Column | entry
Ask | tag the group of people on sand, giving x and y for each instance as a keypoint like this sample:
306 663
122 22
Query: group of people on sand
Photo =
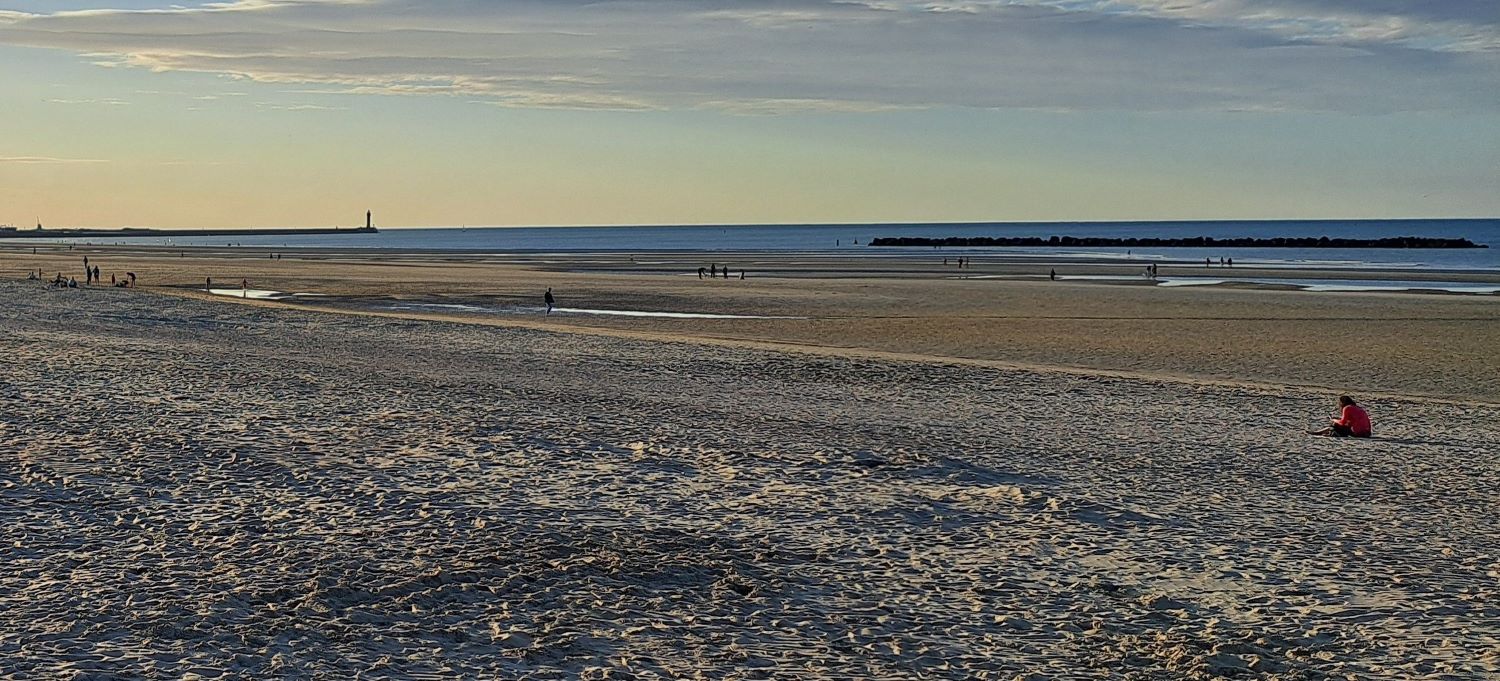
1223 262
91 275
714 270
962 262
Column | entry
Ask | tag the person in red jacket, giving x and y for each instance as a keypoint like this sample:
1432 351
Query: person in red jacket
1352 421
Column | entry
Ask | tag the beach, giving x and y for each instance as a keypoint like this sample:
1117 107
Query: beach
860 470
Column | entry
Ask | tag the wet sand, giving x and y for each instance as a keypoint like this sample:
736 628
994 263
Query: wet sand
1433 345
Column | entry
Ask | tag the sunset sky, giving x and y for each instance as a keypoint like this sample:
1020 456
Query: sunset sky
554 112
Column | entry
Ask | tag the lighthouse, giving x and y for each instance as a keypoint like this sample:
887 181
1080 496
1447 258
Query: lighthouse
368 224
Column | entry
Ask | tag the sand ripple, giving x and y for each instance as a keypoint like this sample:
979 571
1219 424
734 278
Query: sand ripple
201 490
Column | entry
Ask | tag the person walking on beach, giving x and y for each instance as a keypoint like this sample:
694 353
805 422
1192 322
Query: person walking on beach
1053 274
1353 421
244 288
208 283
547 298
700 273
97 280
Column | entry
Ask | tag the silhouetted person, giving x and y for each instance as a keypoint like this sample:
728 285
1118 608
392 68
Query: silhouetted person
244 288
726 271
208 283
742 275
1207 262
1231 262
111 278
131 276
1053 275
549 300
96 275
713 270
700 272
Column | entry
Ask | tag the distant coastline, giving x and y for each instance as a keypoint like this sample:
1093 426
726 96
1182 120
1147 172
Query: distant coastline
146 232
1188 242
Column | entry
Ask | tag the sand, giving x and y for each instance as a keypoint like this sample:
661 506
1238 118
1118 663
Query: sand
206 488
1396 344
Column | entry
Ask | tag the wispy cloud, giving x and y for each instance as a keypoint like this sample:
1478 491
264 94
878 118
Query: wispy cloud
48 160
269 106
775 56
108 101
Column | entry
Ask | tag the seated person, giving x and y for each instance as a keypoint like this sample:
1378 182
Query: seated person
1352 421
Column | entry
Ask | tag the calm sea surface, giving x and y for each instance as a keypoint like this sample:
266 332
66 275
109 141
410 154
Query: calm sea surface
852 240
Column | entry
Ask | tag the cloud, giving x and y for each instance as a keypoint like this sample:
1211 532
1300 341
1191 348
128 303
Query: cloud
48 160
298 107
777 56
109 101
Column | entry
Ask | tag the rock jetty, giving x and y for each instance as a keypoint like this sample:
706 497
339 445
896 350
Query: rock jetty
1190 242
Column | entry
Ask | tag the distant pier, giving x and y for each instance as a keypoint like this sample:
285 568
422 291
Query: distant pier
122 233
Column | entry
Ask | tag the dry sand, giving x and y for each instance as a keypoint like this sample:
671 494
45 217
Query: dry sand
198 489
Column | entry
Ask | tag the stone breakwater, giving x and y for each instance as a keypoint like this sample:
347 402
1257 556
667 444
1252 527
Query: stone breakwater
1189 242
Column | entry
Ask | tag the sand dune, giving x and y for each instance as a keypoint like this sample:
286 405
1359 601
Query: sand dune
203 489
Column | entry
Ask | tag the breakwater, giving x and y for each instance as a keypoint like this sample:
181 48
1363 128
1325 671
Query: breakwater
1189 242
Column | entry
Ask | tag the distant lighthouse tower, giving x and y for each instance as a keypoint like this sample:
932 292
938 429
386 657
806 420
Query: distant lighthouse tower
368 223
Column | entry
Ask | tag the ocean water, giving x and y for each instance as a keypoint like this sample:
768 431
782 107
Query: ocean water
854 239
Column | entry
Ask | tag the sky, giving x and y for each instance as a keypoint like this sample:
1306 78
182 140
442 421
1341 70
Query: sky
246 113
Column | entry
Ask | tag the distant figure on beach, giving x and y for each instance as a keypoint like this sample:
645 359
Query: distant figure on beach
945 262
700 272
547 298
713 270
1231 262
72 283
726 271
1353 421
208 283
131 277
96 274
1207 263
85 262
244 288
111 278
742 275
1053 274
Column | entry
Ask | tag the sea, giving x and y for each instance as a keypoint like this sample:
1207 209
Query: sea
854 239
